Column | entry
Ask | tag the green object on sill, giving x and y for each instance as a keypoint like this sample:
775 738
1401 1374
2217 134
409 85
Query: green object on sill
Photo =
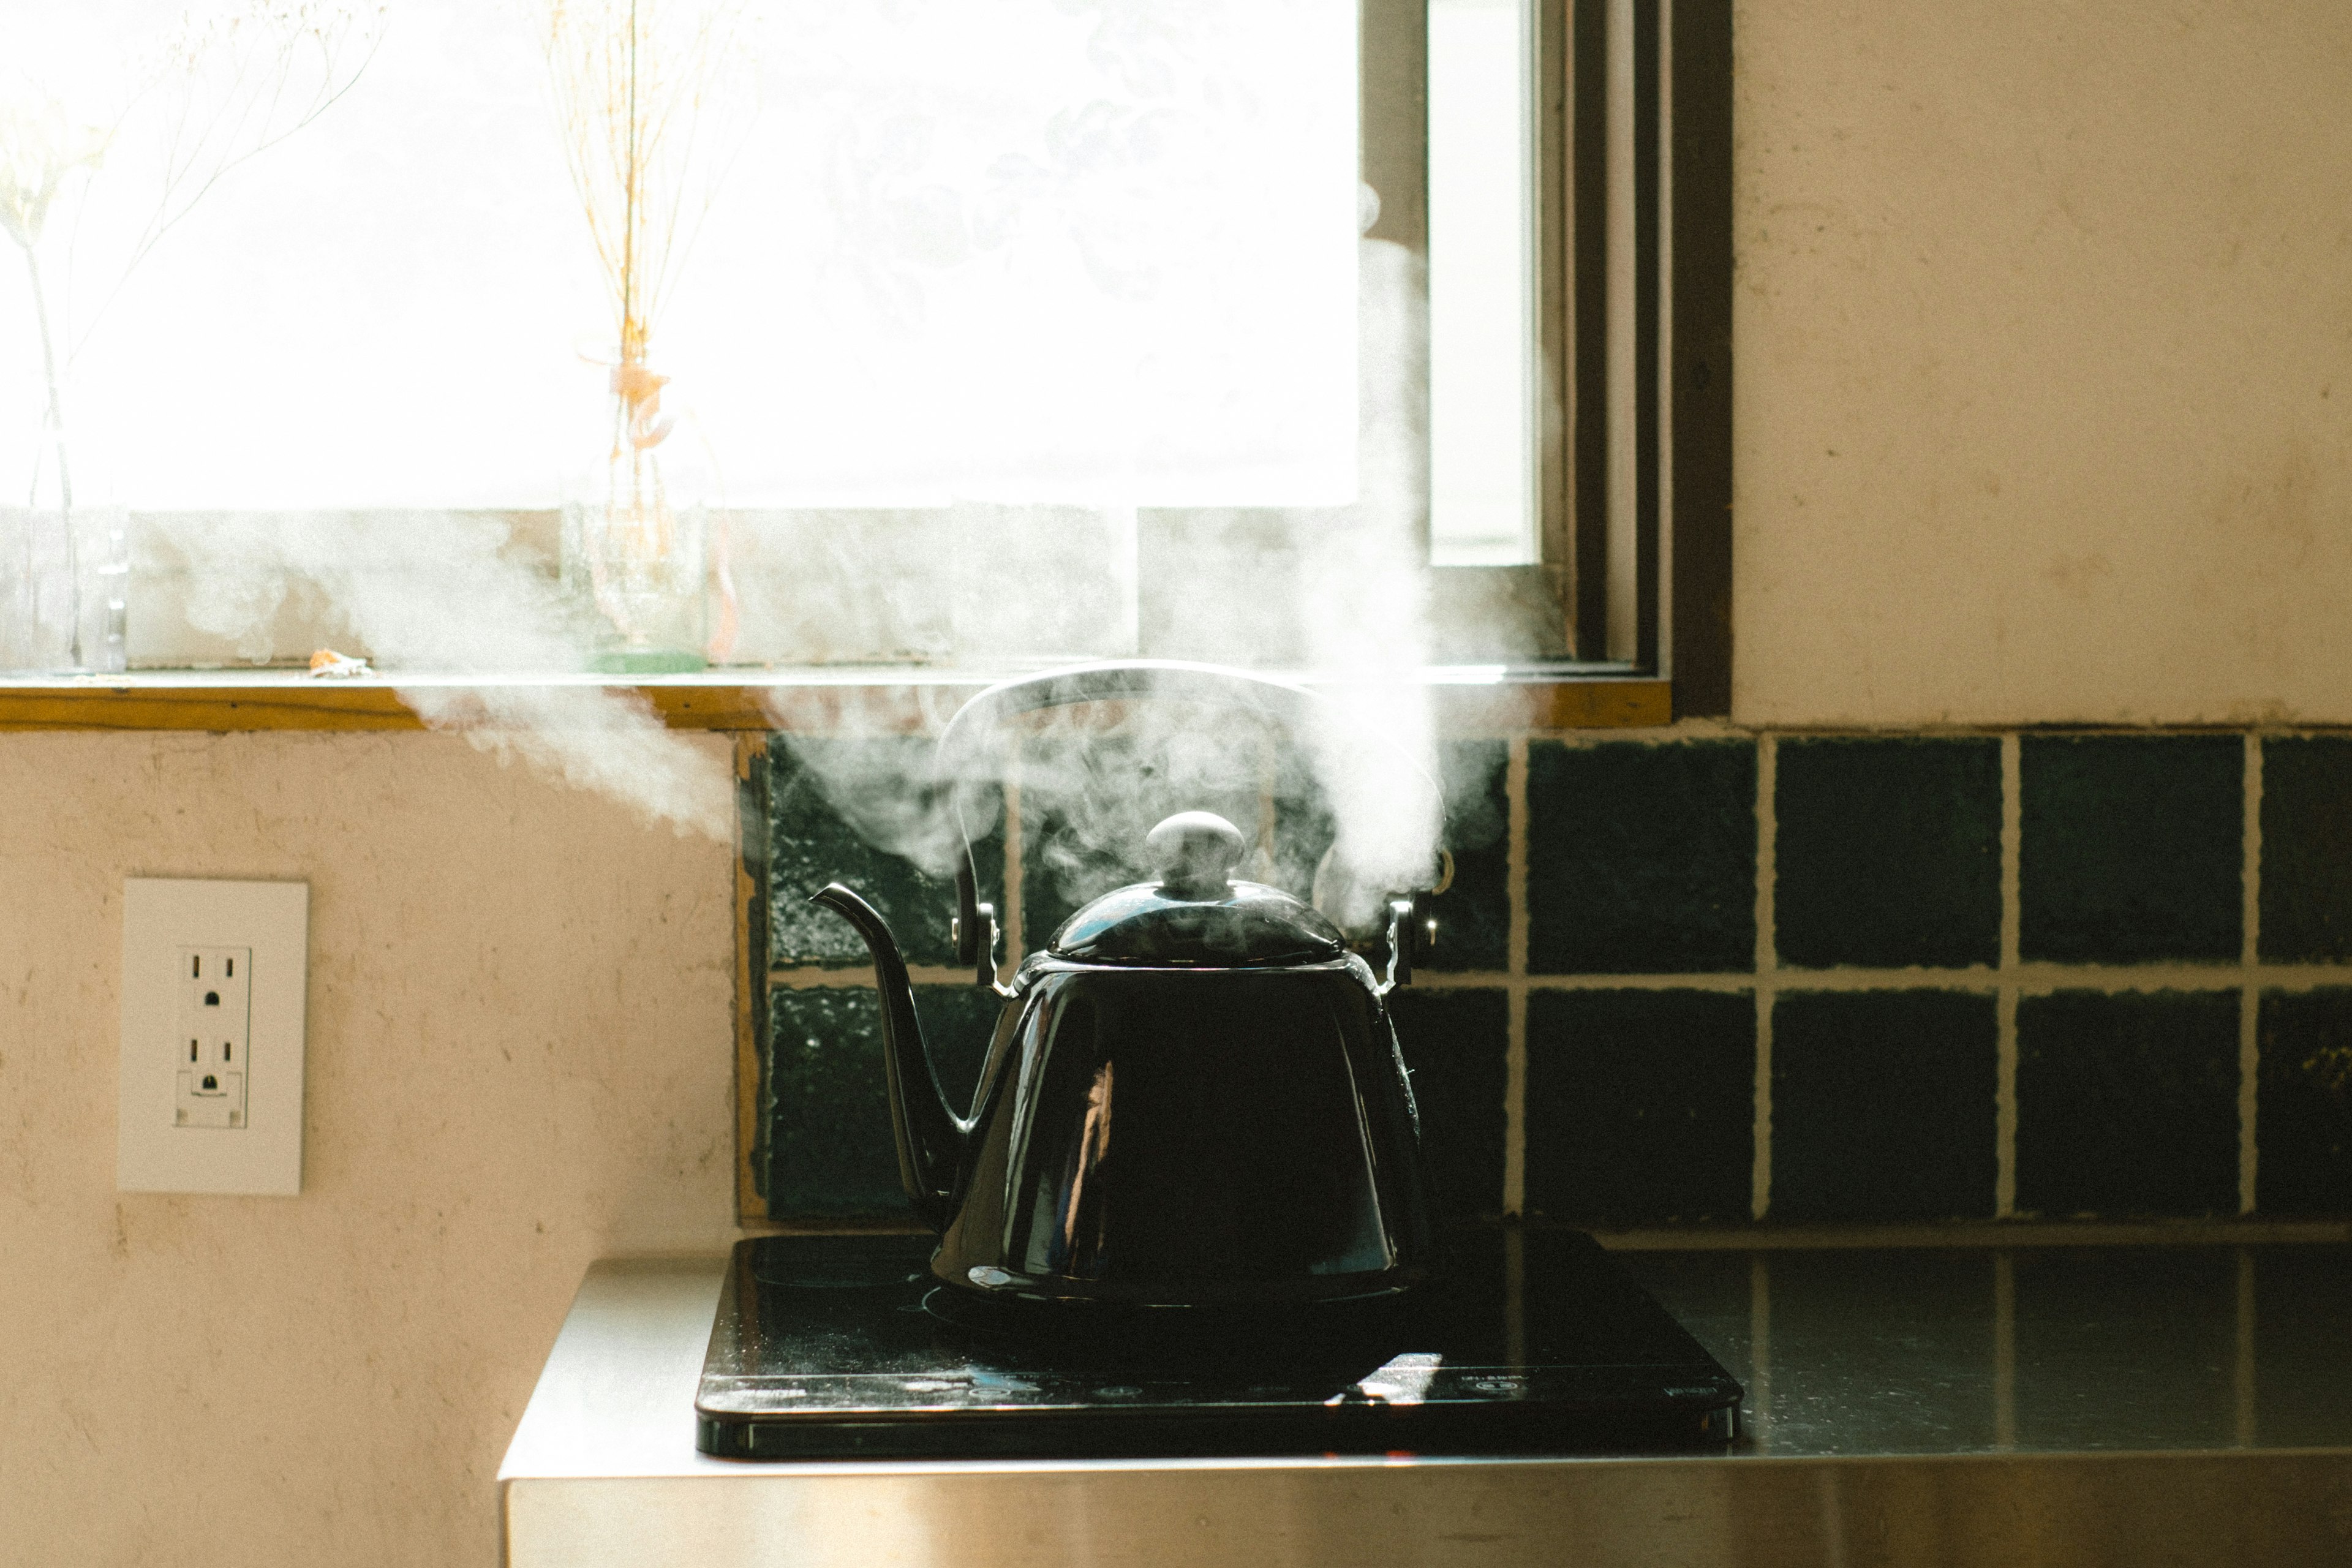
653 661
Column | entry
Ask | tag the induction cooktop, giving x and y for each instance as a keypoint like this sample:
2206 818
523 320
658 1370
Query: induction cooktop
833 1347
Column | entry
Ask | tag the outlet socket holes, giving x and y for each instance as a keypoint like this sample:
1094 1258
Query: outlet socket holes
215 1018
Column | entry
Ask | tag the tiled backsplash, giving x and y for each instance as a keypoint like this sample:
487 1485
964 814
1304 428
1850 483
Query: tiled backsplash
1700 975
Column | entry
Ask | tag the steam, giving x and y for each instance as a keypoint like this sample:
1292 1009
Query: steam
1030 297
1365 610
1351 619
459 595
443 591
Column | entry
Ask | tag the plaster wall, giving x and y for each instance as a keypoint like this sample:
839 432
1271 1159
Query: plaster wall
520 1054
2044 386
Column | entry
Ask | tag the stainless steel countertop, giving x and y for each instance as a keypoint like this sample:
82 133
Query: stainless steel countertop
2027 1349
2036 1404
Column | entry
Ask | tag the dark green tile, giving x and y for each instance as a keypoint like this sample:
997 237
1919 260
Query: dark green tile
1640 857
1888 852
1882 1106
830 1151
2307 883
1474 914
837 809
2302 1107
1641 1105
2127 1103
2131 847
1455 1043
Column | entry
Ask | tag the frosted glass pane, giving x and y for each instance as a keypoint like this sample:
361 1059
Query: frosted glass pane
1012 251
1481 293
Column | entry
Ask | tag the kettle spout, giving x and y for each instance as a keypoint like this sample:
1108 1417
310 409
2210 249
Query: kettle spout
929 1136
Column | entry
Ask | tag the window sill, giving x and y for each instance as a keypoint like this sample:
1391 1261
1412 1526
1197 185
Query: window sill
1470 699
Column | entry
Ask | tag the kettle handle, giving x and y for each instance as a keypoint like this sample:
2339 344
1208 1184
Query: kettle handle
957 761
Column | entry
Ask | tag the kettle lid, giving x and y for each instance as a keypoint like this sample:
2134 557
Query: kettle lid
1195 914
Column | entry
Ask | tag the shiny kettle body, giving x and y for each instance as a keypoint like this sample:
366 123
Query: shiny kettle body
1193 1098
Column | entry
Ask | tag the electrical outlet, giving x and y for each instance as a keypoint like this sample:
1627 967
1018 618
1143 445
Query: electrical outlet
213 996
215 1024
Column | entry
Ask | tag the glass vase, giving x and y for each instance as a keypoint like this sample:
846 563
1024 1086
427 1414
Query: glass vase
65 561
634 547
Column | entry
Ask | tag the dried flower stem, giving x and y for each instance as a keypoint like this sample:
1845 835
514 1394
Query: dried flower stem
633 83
220 122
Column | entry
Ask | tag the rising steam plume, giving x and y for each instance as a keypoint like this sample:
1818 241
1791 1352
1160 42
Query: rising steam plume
1098 779
446 592
450 601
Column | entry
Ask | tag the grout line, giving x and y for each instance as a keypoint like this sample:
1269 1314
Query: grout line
1515 1048
1767 967
2012 883
2249 999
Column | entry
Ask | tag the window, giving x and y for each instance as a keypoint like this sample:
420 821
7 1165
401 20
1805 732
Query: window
990 306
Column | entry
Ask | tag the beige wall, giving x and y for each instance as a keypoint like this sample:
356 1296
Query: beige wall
520 1039
2044 398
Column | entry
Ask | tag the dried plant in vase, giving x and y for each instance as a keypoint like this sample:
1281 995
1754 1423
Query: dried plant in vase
651 100
223 85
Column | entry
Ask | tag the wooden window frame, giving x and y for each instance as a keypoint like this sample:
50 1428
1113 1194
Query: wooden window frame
1677 561
1681 320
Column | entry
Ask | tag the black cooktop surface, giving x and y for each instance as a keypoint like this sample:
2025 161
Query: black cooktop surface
1534 1342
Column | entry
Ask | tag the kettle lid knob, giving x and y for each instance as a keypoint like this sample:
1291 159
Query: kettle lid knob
1194 853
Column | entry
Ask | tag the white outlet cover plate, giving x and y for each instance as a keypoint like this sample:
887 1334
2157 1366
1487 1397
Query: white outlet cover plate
160 918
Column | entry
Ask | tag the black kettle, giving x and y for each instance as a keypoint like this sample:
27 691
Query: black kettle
1194 1097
